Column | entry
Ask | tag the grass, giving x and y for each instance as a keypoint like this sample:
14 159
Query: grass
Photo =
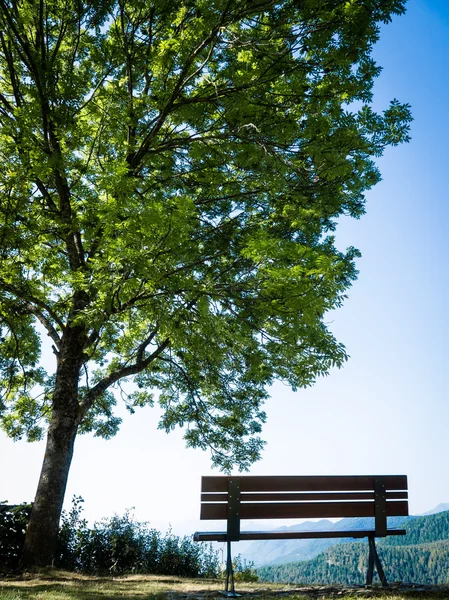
61 585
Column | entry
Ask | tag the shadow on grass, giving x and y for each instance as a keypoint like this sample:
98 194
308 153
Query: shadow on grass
78 590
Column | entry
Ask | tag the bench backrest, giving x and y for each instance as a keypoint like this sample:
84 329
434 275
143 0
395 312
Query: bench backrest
278 497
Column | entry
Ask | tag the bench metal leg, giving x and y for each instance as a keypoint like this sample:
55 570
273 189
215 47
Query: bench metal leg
229 590
229 571
373 559
369 576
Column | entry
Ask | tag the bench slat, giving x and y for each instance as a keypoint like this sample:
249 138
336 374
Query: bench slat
250 483
303 510
302 496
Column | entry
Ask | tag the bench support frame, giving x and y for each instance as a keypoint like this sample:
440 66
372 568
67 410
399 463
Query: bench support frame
229 590
373 559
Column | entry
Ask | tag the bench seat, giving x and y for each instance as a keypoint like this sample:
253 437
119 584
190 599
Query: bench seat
221 536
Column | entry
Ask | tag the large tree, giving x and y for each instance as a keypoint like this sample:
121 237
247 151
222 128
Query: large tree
171 175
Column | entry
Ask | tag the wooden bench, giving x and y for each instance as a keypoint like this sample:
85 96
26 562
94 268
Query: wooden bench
250 497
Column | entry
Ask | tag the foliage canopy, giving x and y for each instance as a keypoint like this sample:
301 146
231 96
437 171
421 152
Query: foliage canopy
172 174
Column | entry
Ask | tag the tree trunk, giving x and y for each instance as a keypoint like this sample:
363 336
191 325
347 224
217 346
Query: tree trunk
42 532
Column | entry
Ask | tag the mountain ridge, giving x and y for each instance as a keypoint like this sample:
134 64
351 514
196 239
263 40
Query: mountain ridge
442 507
275 552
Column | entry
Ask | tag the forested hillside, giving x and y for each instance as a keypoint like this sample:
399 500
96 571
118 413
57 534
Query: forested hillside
347 563
421 530
420 556
272 552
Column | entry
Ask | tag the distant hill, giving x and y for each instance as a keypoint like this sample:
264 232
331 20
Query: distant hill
420 556
440 508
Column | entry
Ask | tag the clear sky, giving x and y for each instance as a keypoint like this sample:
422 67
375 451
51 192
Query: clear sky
387 410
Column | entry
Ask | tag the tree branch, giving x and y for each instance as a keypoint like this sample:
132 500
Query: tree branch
24 295
46 323
136 158
120 373
53 148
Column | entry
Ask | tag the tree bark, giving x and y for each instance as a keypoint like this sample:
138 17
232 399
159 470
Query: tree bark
42 532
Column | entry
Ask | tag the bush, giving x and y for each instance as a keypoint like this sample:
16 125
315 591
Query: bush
13 524
123 545
244 570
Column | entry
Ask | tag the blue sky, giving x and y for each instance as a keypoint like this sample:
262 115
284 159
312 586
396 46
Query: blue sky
387 410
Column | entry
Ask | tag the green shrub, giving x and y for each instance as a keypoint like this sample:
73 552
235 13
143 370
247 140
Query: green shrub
122 545
244 569
13 524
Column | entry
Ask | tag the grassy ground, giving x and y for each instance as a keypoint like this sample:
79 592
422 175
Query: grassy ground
60 585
